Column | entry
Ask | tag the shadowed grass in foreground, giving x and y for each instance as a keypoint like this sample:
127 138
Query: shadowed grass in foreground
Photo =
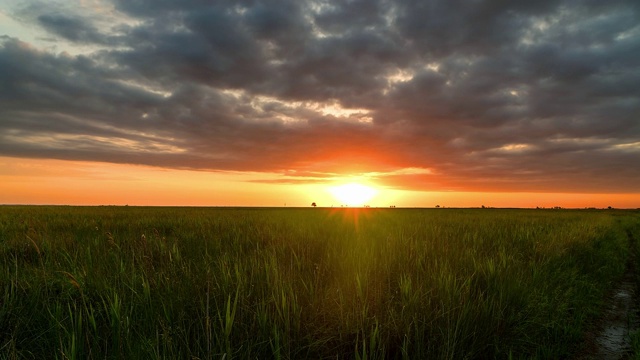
167 283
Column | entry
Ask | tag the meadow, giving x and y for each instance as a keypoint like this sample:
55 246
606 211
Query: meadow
278 283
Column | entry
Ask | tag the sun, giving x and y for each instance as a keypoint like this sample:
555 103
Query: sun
353 194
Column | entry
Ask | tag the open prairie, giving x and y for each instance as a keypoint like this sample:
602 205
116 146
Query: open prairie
284 283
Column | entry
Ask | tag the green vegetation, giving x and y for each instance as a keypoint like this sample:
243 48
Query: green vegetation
201 283
633 231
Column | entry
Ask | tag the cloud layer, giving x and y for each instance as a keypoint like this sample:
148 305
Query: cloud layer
437 95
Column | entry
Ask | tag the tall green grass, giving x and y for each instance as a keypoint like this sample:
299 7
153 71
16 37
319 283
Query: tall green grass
206 283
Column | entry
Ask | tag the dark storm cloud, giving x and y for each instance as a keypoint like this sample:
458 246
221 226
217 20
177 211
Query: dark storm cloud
523 96
71 28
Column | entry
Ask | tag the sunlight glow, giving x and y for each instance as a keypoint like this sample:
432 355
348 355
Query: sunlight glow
353 194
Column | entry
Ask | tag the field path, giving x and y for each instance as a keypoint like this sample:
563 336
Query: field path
609 339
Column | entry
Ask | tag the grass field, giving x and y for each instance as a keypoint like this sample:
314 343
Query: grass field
208 283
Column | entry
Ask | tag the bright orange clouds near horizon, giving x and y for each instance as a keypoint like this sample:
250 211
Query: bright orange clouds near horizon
58 182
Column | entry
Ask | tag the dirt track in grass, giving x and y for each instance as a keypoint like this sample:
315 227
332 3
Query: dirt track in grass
609 338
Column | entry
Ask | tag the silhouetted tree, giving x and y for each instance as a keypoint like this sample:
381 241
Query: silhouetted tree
313 204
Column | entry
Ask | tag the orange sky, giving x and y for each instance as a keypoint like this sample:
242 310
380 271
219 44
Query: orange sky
33 181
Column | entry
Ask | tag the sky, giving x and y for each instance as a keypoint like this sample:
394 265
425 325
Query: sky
274 103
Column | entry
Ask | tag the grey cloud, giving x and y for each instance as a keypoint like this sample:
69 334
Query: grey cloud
440 28
284 23
71 28
345 16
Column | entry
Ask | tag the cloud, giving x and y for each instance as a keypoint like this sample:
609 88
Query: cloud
491 95
71 28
